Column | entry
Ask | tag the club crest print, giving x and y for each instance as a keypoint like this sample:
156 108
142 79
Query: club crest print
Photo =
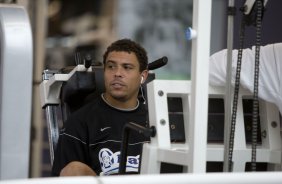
109 162
106 158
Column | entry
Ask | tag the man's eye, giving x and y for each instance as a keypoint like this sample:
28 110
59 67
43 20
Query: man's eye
128 67
110 66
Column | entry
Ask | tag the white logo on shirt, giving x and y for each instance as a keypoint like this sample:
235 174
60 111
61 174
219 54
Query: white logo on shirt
102 129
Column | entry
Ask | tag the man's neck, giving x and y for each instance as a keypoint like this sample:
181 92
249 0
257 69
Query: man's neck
121 104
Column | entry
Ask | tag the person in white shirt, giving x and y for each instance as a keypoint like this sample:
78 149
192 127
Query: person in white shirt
270 73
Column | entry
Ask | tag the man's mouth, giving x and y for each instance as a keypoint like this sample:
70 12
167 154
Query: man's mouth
117 84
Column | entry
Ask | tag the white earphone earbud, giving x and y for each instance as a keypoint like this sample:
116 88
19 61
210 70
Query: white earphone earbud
142 79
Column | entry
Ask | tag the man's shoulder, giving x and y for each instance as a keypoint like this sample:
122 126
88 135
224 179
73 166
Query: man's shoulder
86 110
84 115
90 106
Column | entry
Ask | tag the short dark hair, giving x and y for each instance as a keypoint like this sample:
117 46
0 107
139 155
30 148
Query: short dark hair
129 46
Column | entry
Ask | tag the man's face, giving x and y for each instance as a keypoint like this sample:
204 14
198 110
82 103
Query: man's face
122 76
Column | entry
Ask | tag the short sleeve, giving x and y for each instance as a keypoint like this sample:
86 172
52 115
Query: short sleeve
72 145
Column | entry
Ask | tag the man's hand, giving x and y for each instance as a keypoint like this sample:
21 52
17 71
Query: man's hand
76 168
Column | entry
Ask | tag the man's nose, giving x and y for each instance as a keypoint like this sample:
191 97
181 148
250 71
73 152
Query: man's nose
118 72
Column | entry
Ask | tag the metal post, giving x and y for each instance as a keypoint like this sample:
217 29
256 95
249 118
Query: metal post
53 128
228 89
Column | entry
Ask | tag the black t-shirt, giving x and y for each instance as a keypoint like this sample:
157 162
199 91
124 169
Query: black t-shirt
93 135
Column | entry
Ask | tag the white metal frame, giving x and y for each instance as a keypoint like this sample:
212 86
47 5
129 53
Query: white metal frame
200 178
200 83
162 150
50 89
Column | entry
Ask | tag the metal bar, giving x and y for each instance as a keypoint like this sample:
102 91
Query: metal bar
228 87
53 129
147 132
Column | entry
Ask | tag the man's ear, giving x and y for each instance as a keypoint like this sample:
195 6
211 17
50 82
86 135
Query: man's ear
144 75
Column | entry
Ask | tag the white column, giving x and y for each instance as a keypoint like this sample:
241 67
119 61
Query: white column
197 135
15 92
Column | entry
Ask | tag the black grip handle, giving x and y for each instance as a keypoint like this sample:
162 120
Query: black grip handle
157 63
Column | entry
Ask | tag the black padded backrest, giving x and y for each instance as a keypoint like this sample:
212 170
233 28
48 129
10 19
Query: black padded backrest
81 89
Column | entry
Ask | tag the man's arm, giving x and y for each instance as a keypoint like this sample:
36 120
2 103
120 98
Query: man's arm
71 156
270 78
76 168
